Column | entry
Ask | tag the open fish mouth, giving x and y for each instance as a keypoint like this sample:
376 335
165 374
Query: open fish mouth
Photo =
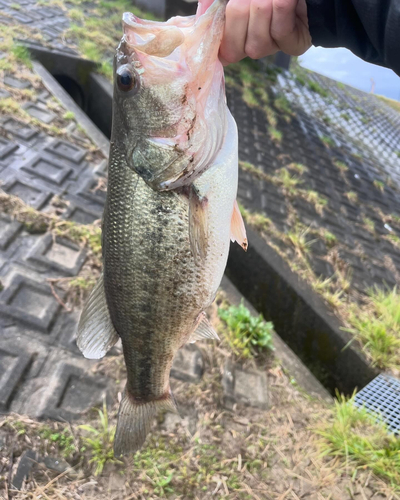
178 64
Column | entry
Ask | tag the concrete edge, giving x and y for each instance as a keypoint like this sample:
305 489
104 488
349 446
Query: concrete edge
299 315
81 117
288 359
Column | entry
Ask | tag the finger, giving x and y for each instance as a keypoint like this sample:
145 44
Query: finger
283 19
234 39
289 26
259 42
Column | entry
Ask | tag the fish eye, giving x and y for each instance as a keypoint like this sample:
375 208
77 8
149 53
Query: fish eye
126 80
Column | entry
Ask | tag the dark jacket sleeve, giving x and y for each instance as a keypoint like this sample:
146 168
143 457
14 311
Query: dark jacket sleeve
369 28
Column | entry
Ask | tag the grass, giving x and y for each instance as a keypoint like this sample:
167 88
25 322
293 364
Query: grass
394 239
315 199
22 54
369 224
287 181
377 326
275 134
100 442
379 185
390 102
362 440
352 196
329 238
341 166
316 87
246 334
39 222
299 240
328 141
69 115
249 98
298 167
253 170
63 439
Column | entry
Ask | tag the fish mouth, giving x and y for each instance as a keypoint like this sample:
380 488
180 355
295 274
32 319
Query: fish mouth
162 38
182 51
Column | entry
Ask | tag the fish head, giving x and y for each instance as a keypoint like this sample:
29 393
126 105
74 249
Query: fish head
169 95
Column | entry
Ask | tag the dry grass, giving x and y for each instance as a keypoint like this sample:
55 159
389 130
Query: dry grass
242 454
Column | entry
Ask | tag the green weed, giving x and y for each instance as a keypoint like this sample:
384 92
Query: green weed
275 134
298 238
22 54
362 440
352 196
298 167
315 199
377 325
100 444
63 439
379 185
330 238
328 141
369 224
316 87
246 334
341 166
287 181
69 115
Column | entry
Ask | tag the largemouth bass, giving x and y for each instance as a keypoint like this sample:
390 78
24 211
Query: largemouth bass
170 209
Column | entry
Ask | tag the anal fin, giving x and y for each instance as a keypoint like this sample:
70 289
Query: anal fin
96 333
203 330
238 230
198 224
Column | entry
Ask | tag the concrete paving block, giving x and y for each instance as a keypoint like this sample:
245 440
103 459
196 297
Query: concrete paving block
8 230
31 195
13 364
71 392
90 192
30 303
244 386
81 215
47 168
20 129
6 147
59 254
17 83
188 364
66 150
39 111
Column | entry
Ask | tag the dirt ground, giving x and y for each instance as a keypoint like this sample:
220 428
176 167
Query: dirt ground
212 452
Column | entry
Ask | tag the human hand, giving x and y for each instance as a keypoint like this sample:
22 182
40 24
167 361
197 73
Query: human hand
258 28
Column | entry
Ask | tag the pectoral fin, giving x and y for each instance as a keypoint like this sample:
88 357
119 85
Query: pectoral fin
198 224
238 231
203 330
96 333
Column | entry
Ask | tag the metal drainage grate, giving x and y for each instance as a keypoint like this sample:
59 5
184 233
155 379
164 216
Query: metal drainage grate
382 396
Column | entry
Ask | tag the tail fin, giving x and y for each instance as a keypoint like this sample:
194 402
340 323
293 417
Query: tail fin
135 419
